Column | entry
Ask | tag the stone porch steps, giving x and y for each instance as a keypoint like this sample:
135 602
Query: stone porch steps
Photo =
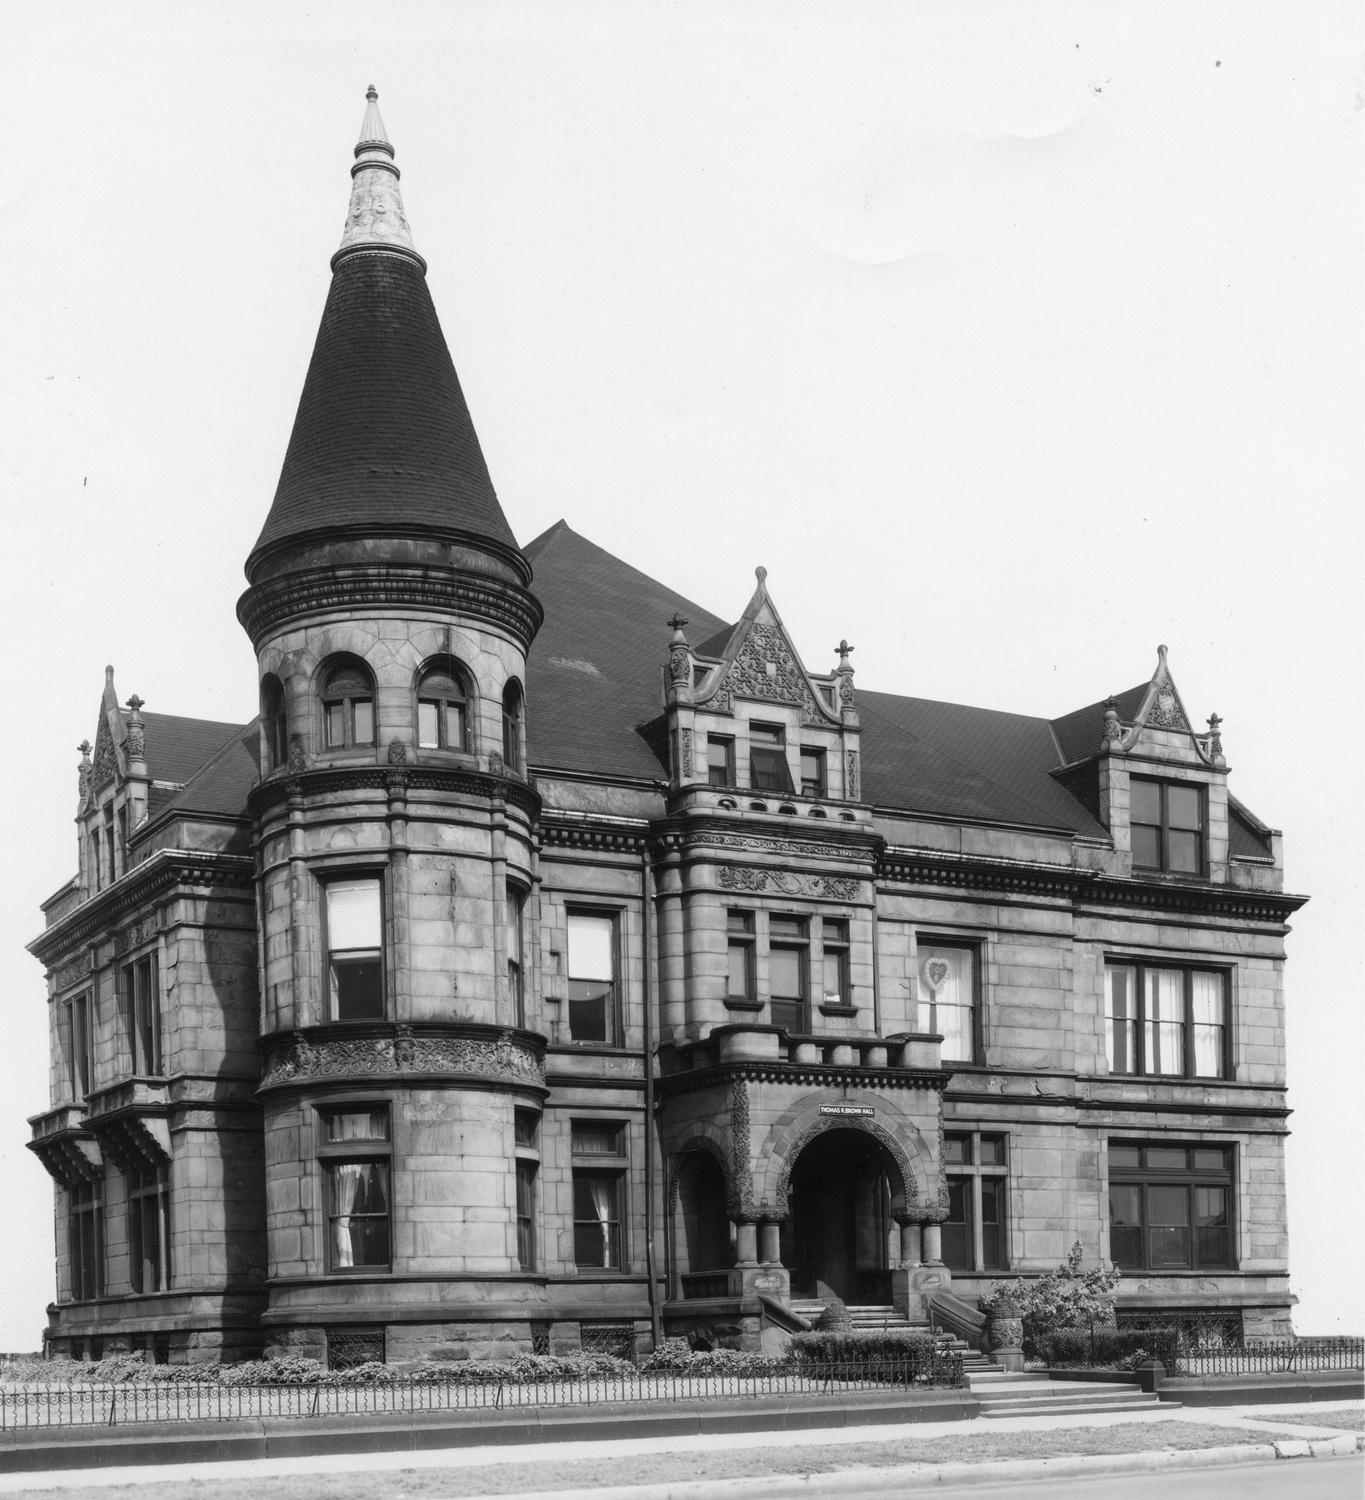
1005 1394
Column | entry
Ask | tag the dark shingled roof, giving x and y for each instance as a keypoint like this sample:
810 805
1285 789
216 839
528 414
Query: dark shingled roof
1079 733
223 782
176 747
383 437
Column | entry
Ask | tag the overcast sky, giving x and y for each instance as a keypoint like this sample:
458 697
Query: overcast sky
1012 339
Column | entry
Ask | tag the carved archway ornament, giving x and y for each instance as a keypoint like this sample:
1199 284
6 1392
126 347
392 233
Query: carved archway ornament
908 1205
716 1151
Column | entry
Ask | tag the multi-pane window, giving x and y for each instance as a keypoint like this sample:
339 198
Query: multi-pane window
526 1219
354 1155
355 949
142 1013
86 1227
1170 1206
740 983
511 726
812 771
973 1235
768 769
149 1228
598 1193
947 997
835 962
348 707
516 970
1162 1020
442 710
274 721
1167 820
720 760
592 978
82 1045
788 942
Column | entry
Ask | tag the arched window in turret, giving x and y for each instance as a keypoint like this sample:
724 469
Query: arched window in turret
511 725
274 722
442 707
347 706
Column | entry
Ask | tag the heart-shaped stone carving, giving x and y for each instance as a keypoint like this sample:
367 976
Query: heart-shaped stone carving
936 972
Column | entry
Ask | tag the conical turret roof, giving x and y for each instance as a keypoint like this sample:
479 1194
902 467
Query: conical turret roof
383 443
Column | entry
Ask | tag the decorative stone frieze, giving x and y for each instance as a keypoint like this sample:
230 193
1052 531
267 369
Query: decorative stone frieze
459 1050
830 887
73 973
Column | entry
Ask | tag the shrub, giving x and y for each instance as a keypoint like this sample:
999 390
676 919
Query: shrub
1068 1297
684 1361
1113 1348
839 1346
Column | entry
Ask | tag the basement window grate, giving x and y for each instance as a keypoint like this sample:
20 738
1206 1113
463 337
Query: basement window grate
349 1347
616 1339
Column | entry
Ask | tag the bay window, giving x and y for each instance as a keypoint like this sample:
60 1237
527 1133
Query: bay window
1166 1021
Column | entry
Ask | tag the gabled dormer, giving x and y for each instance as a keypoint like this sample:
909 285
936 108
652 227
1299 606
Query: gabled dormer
746 718
112 790
1160 787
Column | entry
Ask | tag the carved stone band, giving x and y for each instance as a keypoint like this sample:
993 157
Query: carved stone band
330 1053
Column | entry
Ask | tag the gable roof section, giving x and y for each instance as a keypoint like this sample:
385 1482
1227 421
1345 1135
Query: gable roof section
1079 733
178 747
593 676
221 785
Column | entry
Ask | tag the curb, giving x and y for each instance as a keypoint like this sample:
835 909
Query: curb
898 1478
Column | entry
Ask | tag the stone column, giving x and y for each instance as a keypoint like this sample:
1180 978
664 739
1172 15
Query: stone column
770 1244
933 1245
910 1246
746 1244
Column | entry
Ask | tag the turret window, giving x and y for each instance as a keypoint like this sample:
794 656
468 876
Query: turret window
348 707
274 723
355 1159
355 949
442 710
511 726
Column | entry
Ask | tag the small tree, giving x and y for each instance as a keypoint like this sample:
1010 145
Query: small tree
1068 1297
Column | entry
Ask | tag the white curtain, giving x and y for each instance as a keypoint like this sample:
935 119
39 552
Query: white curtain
1208 1024
359 1125
345 1185
1165 1026
604 1203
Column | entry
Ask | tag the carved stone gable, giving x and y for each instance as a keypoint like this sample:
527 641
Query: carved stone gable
106 760
1165 712
765 668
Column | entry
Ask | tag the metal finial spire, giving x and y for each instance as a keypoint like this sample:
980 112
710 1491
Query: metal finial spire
375 219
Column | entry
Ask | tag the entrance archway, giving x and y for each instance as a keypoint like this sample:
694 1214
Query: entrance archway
840 1225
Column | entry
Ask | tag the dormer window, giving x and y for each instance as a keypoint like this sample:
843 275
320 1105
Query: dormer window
720 760
1168 826
768 770
348 707
812 771
442 709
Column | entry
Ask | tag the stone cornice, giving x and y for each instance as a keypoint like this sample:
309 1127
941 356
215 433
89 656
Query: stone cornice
321 781
731 838
155 877
800 1075
369 587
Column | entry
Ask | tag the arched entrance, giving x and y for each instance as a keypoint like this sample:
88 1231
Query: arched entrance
840 1225
704 1234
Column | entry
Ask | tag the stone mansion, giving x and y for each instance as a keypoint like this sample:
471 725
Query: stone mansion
553 963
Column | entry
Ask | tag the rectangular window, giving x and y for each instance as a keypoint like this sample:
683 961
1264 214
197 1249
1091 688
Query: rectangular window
1167 820
597 1138
592 978
1169 1207
110 847
526 1217
82 1046
787 948
354 1154
149 1229
973 1236
740 974
812 771
142 1012
86 1225
516 973
947 1006
597 1221
96 874
355 948
720 760
1164 1021
835 963
768 769
526 1127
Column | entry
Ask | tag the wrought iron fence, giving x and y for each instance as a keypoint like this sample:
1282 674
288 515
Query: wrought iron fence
1272 1357
80 1405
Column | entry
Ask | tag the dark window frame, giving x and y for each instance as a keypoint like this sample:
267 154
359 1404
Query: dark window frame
346 700
816 786
726 744
85 1222
149 1216
363 1151
775 775
140 980
341 875
741 937
793 1008
461 700
973 1174
977 1028
1187 1179
274 721
513 717
614 1025
515 928
80 1022
1138 1021
1164 829
839 948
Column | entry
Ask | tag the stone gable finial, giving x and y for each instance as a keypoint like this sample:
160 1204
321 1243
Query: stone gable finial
136 747
679 664
375 218
1112 736
83 771
845 674
1215 740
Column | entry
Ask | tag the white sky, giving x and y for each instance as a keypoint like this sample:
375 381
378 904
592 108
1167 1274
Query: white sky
1013 340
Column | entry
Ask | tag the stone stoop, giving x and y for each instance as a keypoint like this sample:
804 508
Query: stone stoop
1031 1394
864 1319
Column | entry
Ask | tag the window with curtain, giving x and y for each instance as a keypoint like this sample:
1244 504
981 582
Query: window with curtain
355 1157
442 708
592 978
947 997
1170 1206
355 948
1166 1021
142 1015
597 1221
149 1228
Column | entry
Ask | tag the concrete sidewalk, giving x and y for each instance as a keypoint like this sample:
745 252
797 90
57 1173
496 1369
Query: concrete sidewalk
543 1457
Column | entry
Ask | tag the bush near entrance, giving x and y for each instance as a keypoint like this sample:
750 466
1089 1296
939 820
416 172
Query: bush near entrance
1069 1297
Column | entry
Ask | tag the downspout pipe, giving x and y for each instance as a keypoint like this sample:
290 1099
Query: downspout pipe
647 953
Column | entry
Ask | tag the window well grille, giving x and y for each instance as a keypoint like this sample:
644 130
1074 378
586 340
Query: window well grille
349 1347
616 1339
